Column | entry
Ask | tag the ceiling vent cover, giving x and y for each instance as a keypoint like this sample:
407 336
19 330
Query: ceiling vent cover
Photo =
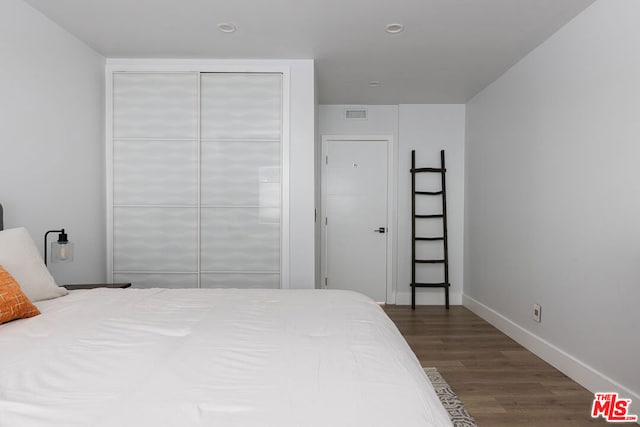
355 114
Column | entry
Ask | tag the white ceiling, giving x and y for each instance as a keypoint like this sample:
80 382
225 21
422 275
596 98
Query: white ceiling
448 52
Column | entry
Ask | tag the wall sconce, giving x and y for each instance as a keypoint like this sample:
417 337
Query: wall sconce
62 250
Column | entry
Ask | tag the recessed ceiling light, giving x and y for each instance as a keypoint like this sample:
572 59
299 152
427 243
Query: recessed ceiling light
375 84
394 28
226 27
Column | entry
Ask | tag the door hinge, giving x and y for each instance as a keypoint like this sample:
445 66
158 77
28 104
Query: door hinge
326 282
326 160
326 221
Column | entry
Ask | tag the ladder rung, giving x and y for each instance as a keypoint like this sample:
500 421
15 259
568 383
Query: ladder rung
417 170
429 238
429 261
431 285
430 216
429 193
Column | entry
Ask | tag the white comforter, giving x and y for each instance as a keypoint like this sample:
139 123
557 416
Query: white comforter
180 358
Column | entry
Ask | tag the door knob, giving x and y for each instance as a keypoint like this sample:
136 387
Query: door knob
380 230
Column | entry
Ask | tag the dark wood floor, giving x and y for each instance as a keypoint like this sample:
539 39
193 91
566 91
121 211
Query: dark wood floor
499 382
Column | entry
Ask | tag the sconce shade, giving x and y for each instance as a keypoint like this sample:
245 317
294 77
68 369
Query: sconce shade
61 251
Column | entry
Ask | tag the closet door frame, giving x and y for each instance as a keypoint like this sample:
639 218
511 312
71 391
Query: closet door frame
199 66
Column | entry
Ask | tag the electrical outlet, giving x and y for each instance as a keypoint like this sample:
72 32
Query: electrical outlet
537 313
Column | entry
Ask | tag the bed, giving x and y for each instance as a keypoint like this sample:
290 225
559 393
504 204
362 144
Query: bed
211 357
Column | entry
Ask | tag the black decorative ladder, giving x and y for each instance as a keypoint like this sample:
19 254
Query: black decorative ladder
443 216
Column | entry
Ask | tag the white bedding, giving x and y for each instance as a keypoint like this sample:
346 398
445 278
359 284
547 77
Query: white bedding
161 357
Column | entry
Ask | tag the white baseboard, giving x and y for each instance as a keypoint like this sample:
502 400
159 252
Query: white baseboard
578 371
428 297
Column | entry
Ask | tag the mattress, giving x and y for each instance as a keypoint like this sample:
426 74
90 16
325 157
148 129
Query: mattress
211 357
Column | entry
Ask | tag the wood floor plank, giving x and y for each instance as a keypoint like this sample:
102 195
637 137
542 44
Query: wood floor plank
500 383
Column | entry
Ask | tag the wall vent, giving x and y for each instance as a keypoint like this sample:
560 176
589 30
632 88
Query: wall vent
355 114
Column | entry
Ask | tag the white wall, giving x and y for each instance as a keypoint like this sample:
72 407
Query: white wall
318 196
427 128
51 137
302 179
381 120
552 200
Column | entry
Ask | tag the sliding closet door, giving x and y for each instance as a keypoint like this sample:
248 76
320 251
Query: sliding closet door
240 194
155 179
196 179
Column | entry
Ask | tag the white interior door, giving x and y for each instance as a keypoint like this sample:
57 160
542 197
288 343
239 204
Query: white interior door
355 223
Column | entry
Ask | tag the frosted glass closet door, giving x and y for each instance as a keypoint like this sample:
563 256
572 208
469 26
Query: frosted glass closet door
155 179
241 142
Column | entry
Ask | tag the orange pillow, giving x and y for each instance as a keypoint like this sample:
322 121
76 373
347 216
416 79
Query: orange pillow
14 304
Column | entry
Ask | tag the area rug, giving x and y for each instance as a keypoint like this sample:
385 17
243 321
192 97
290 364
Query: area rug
458 414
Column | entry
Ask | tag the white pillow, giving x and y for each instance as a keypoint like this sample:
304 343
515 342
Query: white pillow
20 257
